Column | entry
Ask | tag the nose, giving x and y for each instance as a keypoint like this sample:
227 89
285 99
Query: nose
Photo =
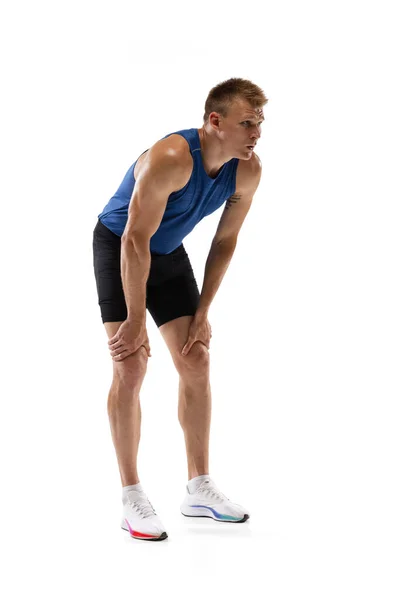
256 132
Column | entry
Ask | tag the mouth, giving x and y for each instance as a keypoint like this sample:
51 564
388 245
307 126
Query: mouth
250 147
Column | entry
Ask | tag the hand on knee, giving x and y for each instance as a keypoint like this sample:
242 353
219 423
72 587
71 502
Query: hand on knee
197 360
131 370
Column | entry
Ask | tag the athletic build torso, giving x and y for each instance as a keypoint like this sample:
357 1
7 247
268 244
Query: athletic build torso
201 195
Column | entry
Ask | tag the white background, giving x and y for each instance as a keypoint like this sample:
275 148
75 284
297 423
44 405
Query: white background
305 347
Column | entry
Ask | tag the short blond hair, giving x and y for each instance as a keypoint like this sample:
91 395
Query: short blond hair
221 97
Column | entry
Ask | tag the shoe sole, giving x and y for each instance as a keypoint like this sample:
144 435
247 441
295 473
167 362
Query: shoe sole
163 536
214 519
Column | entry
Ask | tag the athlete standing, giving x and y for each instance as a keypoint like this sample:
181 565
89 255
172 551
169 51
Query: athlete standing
140 262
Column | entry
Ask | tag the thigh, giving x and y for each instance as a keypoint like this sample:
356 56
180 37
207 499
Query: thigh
175 294
112 328
171 290
107 271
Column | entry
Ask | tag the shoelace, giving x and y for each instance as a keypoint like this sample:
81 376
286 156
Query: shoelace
210 489
142 506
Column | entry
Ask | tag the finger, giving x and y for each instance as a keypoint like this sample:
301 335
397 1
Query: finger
120 357
147 348
114 339
117 344
119 351
187 347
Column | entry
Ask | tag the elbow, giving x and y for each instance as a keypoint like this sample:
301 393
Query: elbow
226 244
137 240
135 246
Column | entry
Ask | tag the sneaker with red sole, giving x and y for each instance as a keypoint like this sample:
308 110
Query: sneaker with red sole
140 518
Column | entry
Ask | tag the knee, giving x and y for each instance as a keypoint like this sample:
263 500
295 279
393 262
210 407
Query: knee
196 363
130 372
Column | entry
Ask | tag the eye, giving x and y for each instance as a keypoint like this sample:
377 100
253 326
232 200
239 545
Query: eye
248 123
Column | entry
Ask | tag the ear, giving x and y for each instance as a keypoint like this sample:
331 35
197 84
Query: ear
214 120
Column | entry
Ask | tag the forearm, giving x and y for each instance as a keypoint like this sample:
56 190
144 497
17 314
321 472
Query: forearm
218 260
135 268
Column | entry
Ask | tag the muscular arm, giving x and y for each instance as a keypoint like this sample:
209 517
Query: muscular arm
232 200
238 205
164 171
225 239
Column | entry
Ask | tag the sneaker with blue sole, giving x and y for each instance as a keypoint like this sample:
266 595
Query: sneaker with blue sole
209 502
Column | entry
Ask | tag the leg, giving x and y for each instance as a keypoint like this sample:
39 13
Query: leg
124 408
194 410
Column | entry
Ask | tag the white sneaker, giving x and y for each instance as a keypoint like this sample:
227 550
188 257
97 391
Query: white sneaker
208 501
140 518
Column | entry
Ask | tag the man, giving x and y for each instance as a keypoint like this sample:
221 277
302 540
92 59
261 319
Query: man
140 262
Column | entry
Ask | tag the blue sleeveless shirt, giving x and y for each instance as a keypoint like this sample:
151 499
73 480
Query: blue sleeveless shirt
201 196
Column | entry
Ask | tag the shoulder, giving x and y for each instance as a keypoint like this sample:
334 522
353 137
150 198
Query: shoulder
169 158
173 149
248 174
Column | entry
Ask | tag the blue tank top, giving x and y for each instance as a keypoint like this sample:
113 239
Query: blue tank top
201 196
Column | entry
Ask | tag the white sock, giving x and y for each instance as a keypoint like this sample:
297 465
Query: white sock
137 487
194 483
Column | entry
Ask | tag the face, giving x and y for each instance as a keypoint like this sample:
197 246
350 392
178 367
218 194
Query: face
240 130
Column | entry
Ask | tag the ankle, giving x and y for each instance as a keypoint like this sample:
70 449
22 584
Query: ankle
127 481
194 483
137 487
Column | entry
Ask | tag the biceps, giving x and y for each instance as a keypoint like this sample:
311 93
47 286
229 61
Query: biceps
146 210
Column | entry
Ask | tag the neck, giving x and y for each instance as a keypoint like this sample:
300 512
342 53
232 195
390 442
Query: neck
212 154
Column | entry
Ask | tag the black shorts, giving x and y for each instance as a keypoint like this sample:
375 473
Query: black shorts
171 290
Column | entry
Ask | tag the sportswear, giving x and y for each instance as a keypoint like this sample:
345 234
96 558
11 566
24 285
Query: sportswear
201 196
140 518
208 501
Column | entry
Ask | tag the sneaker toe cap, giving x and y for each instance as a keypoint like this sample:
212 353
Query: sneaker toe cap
149 526
236 510
153 526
